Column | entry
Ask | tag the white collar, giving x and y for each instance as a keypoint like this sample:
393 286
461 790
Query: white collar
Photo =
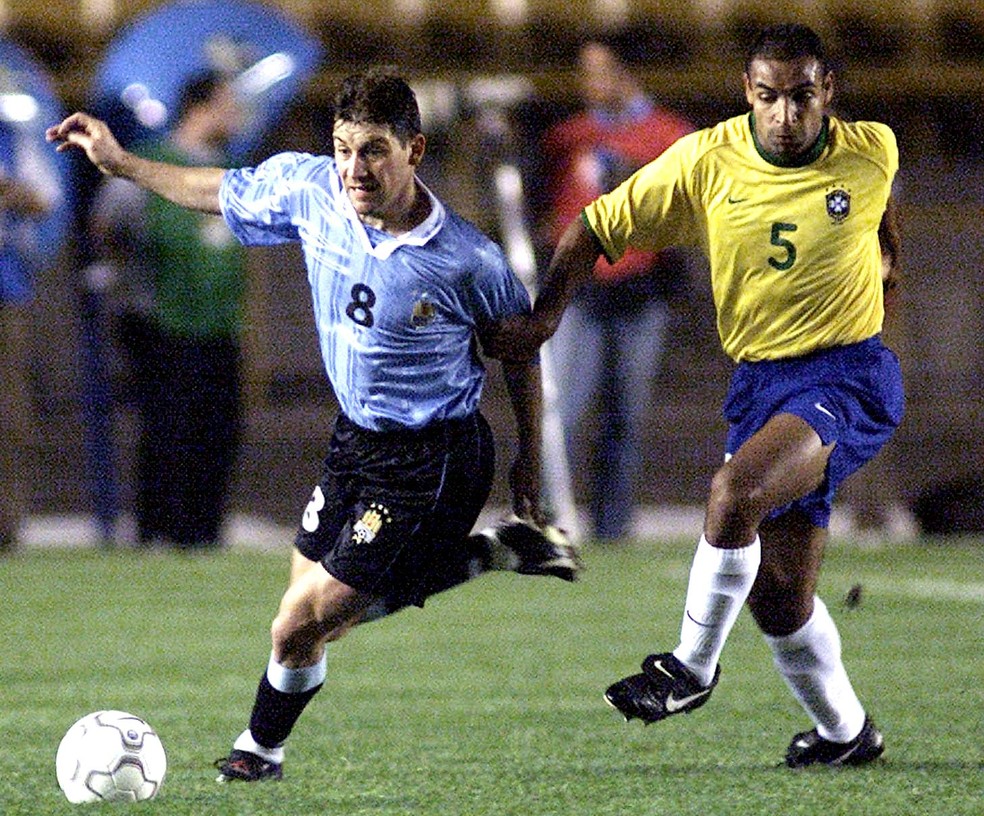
418 236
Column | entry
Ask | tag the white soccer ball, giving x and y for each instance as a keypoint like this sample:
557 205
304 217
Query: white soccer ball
111 756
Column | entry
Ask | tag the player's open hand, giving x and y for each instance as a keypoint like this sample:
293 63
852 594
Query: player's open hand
85 132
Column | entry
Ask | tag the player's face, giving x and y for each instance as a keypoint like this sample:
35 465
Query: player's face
377 172
789 100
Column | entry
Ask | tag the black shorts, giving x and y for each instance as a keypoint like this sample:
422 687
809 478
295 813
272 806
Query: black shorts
393 510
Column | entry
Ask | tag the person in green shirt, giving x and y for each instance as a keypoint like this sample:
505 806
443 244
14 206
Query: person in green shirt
180 284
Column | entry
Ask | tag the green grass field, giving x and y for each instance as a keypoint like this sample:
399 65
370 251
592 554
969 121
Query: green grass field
489 701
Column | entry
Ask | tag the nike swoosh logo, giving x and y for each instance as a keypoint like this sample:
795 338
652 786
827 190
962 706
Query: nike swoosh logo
823 410
673 705
736 200
702 625
659 665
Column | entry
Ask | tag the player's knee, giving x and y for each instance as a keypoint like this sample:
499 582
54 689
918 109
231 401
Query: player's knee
300 631
283 634
295 635
733 507
780 601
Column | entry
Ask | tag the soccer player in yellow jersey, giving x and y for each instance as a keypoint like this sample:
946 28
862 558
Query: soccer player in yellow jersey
792 207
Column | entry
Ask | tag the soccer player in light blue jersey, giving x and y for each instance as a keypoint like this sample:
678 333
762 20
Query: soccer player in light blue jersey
404 291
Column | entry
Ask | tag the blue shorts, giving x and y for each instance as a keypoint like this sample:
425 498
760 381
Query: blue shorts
850 395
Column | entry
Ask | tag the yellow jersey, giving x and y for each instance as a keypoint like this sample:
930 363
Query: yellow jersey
794 253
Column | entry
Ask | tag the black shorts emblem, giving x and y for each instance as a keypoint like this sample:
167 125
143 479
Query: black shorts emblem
372 521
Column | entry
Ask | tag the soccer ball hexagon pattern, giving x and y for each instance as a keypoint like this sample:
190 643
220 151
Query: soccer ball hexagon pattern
111 756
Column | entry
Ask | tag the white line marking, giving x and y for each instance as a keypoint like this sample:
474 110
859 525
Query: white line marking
930 588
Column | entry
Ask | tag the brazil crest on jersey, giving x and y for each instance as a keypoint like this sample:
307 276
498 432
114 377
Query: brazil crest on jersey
794 252
396 316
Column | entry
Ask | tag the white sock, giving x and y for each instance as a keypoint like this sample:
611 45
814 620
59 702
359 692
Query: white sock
245 742
295 681
809 660
720 580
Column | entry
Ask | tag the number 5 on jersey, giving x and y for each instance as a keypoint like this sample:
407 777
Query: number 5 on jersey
785 263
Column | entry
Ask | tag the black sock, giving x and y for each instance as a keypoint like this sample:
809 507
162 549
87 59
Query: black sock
479 550
275 712
474 559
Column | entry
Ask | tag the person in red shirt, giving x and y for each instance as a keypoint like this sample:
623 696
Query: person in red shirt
611 339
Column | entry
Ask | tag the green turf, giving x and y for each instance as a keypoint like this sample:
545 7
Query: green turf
489 701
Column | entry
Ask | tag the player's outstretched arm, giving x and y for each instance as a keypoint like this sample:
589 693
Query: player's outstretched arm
194 187
518 338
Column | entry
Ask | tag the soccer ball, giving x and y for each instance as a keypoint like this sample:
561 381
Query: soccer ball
112 756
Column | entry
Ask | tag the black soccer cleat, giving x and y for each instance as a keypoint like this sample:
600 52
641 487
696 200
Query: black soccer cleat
664 688
809 748
535 550
243 766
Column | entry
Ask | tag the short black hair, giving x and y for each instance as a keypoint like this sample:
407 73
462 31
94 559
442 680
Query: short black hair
198 90
379 96
786 42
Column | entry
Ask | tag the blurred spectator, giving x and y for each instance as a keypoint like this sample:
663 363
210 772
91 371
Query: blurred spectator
179 289
611 339
29 190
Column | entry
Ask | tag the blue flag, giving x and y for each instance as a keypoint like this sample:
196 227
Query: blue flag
138 84
28 105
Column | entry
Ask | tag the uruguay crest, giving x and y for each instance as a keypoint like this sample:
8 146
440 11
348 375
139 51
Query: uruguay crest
424 313
367 527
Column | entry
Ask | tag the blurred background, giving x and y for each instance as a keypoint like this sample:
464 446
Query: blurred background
491 75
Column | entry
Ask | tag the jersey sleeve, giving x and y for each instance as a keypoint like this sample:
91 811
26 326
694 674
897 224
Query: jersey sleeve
652 210
496 292
884 138
258 203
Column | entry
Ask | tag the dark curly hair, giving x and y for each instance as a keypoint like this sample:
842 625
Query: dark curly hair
786 42
379 96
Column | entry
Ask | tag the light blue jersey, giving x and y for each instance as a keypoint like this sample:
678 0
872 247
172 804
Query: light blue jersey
396 316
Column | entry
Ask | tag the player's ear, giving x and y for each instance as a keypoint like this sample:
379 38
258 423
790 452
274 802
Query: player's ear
418 145
746 82
828 87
